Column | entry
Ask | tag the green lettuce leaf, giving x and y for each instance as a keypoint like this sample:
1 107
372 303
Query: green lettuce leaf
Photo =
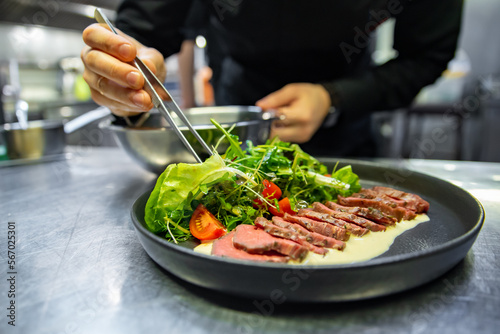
346 175
177 185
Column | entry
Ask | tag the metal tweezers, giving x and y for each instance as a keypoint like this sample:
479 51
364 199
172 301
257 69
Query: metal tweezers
161 98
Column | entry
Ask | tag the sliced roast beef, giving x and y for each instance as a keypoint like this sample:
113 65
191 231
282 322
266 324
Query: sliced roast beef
255 240
413 202
380 204
370 193
325 217
392 202
224 247
312 225
312 237
349 217
285 233
368 213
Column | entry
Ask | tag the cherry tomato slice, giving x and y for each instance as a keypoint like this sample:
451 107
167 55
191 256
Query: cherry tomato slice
204 226
270 192
284 207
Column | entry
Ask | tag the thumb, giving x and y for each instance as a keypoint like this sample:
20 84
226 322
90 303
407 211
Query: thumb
277 99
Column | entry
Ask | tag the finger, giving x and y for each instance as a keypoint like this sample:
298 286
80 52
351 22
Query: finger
103 100
135 99
125 113
291 126
283 117
292 115
108 66
99 37
294 133
277 99
116 107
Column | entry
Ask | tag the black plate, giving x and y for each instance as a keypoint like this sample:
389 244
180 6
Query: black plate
416 257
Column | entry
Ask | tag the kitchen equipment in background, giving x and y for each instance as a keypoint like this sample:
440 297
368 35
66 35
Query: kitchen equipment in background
44 137
71 83
155 145
22 113
20 106
487 135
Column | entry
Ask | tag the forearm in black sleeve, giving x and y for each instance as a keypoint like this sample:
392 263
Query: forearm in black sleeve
154 23
425 37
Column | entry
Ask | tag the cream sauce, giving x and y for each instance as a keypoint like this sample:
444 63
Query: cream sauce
357 249
204 248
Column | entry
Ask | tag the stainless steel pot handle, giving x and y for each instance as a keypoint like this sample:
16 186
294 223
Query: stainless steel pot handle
85 119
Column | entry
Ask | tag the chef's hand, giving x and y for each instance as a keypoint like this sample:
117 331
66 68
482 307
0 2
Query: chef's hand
113 81
302 108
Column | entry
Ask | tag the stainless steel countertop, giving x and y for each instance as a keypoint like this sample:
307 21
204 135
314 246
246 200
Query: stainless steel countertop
81 269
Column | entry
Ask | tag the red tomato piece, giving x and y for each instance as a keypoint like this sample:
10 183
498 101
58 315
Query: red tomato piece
204 226
284 207
270 192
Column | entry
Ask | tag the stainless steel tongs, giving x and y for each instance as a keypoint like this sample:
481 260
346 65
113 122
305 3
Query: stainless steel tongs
160 96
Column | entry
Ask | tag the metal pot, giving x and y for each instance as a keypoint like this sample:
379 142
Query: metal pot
44 137
155 145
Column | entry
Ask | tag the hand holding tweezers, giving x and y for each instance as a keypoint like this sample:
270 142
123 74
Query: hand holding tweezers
161 98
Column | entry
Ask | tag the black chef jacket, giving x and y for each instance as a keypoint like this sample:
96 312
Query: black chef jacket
256 47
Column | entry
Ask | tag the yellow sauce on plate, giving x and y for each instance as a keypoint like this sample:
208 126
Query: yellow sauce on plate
357 249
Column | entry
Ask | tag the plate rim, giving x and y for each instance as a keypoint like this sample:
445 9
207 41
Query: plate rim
436 249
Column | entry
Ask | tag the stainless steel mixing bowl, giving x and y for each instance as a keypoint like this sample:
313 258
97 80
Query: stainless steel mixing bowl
155 145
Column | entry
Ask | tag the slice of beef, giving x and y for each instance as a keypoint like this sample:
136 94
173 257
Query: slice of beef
285 233
371 194
349 217
325 217
312 237
392 202
380 204
326 229
414 202
224 247
254 240
368 213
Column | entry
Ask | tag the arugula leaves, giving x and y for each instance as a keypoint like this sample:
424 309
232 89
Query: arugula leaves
228 185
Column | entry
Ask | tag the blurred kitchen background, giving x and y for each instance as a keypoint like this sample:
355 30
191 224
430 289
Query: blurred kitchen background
457 118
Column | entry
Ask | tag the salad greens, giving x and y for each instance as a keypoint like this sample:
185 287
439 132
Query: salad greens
229 184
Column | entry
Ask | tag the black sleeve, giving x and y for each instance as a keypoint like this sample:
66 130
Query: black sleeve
426 34
154 23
